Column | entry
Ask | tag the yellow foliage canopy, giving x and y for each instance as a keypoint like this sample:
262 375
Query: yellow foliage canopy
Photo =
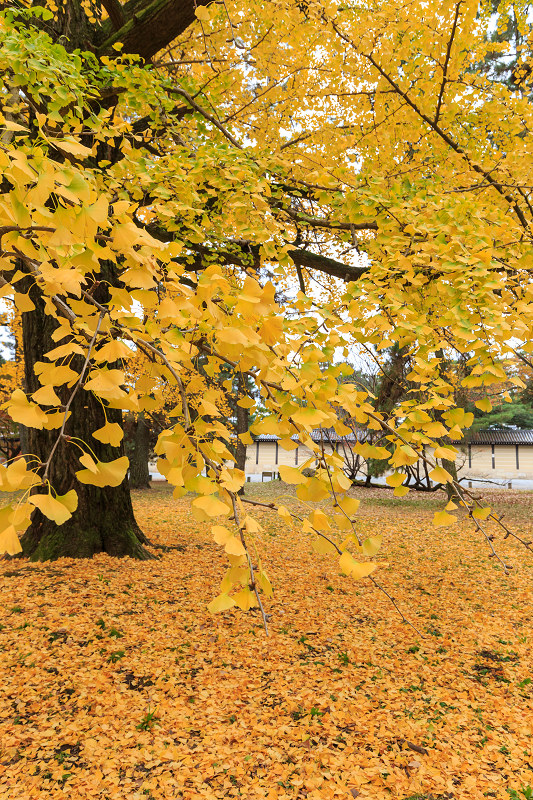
356 143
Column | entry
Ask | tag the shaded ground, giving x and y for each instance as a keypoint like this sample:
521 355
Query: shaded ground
116 683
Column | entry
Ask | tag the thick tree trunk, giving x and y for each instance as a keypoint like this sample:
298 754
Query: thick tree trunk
139 472
104 520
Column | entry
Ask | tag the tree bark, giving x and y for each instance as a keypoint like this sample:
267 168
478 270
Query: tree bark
104 520
149 26
139 472
242 425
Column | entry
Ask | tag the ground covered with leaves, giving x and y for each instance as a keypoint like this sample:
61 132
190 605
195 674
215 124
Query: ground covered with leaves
117 683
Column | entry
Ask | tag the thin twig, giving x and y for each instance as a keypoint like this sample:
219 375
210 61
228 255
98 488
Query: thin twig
253 583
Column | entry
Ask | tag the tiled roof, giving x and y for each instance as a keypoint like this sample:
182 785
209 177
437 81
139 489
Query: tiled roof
327 434
491 436
502 436
330 435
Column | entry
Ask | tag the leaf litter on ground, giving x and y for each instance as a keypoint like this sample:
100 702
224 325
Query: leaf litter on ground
117 683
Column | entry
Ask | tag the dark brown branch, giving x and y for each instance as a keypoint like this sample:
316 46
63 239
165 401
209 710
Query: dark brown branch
330 266
115 13
320 222
150 26
247 256
447 61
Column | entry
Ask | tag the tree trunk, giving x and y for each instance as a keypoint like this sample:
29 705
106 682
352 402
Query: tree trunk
139 472
241 427
451 467
104 520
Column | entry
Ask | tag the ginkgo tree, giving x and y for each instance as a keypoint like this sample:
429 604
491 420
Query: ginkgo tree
157 156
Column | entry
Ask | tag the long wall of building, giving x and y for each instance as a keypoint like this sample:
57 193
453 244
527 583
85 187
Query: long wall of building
498 461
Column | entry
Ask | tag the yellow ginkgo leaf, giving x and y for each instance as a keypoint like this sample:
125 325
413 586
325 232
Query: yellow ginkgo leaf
284 513
20 409
396 479
354 568
69 500
202 13
51 507
111 433
17 476
341 521
46 396
245 599
251 525
24 302
232 336
442 518
323 546
234 547
113 472
206 407
363 570
221 534
291 475
372 545
9 541
108 473
401 491
21 516
435 429
445 452
315 490
232 480
484 405
64 350
211 506
246 402
263 582
319 520
309 417
349 505
113 350
54 374
440 475
55 420
89 462
221 603
481 513
106 383
346 562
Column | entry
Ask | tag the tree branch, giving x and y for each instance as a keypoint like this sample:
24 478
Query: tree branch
452 144
150 26
209 117
447 61
320 222
115 13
